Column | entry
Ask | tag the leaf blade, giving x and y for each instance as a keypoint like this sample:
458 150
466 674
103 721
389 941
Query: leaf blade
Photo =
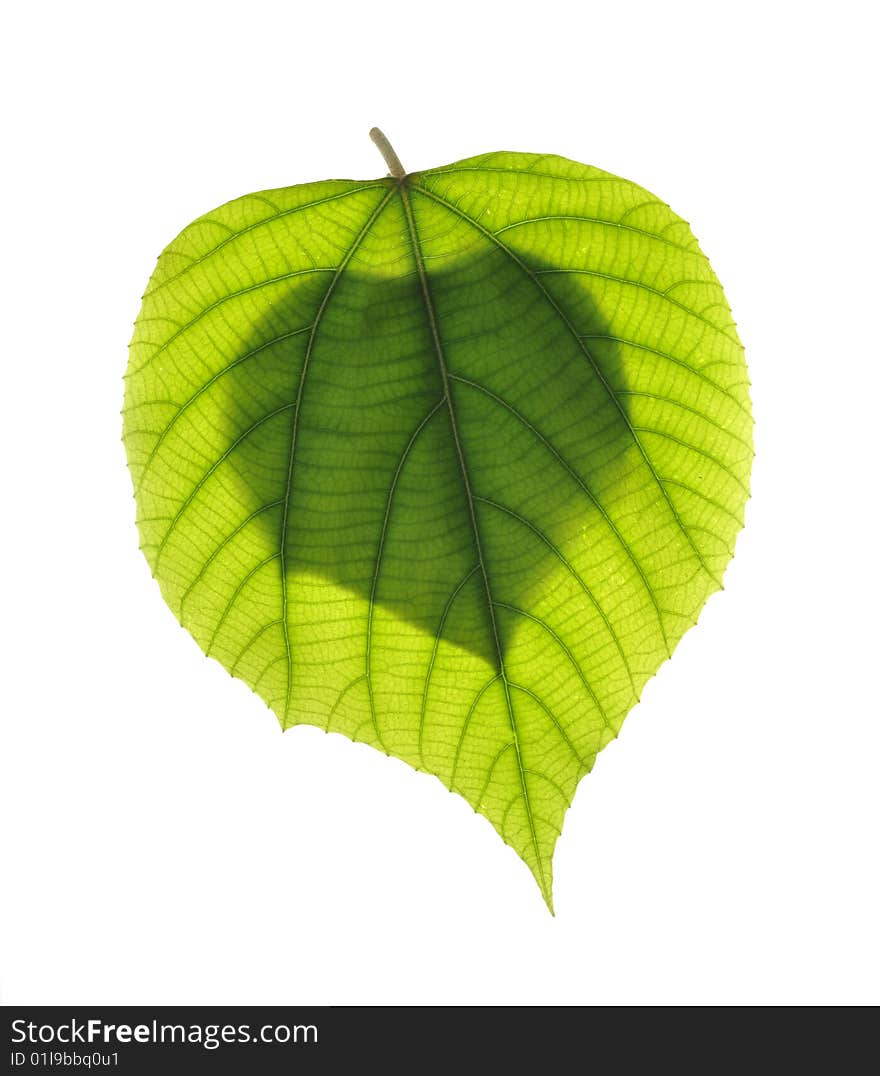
447 465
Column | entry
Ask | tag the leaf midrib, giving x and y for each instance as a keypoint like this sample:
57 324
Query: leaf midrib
444 373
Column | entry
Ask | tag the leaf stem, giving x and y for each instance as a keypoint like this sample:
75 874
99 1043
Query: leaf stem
387 150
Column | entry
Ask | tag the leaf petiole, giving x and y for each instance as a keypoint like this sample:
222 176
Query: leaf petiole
387 150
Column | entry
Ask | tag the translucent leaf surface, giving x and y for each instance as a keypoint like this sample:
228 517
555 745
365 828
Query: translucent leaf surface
447 464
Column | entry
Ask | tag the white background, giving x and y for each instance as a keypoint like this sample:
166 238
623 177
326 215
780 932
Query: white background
162 841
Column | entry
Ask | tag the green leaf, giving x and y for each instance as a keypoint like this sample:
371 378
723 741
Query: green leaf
446 463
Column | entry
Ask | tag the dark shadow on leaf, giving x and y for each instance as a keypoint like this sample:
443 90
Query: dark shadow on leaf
538 429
